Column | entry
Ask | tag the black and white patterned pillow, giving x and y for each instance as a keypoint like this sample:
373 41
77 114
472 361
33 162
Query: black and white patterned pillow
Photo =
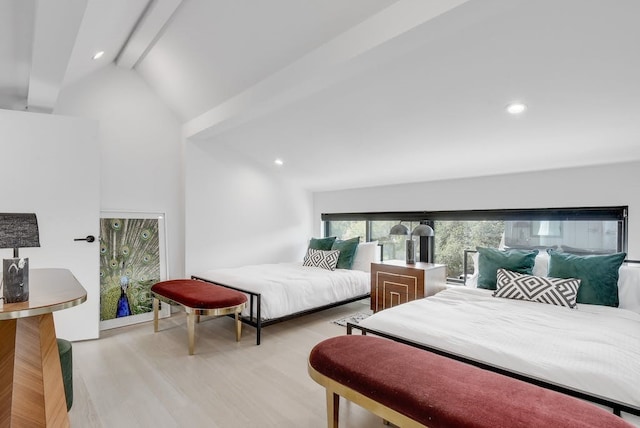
554 291
322 259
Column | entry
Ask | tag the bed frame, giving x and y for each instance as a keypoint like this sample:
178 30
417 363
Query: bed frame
616 406
255 301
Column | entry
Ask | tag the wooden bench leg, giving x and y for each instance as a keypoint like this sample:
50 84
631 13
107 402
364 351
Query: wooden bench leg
156 304
238 325
333 409
191 330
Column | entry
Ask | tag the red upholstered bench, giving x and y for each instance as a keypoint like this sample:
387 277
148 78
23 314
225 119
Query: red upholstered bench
414 388
198 298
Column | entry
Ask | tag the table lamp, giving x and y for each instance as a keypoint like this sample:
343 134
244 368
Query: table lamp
17 231
419 230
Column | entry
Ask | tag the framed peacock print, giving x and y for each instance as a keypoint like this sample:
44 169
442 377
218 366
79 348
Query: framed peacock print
133 257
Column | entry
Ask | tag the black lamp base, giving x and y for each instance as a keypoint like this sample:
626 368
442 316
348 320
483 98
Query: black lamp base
15 279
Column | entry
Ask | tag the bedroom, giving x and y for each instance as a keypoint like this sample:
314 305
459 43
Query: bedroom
579 130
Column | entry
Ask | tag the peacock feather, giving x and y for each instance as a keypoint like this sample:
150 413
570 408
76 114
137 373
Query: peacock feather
129 262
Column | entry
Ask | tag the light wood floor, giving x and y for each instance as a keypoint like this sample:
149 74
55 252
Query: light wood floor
132 377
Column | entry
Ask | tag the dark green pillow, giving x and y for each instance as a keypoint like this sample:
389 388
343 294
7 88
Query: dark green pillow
347 252
492 259
323 244
598 275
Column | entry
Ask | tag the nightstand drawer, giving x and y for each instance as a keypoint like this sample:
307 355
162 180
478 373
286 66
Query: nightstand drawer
394 282
393 289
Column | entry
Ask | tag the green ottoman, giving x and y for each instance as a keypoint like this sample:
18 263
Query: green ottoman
66 361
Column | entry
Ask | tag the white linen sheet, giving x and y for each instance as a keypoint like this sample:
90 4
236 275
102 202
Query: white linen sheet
287 288
592 348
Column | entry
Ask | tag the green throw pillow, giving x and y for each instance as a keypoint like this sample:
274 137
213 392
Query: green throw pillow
347 252
323 244
598 275
492 259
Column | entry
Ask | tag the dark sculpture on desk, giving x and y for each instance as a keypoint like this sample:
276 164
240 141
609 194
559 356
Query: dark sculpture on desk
15 280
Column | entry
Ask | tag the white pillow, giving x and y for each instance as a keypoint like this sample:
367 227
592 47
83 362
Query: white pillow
629 287
472 281
366 253
541 264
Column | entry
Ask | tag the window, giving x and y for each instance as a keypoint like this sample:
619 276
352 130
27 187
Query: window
347 229
588 237
591 230
455 236
393 246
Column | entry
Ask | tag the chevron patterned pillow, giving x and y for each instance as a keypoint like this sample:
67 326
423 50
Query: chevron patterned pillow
554 291
322 259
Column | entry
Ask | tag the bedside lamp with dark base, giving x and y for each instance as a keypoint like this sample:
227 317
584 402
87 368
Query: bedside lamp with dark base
419 230
17 231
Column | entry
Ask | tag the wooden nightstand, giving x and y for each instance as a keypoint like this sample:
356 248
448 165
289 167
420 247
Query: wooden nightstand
394 282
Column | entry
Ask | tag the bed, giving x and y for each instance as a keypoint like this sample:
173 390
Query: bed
591 351
281 291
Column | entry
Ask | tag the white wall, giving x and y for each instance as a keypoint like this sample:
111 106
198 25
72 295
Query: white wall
609 185
240 213
140 149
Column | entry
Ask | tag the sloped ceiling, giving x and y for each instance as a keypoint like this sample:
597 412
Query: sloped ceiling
214 50
45 45
360 92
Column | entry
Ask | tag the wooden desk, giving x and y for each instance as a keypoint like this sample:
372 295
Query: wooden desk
31 387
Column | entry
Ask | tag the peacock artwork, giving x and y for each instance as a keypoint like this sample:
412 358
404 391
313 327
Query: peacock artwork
129 265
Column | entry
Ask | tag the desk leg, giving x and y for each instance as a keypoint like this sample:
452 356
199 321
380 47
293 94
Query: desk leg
38 390
7 356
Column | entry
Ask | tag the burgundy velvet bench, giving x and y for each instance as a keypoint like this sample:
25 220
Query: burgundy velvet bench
410 387
198 298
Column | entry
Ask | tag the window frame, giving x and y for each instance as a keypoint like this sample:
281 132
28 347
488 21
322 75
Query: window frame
605 213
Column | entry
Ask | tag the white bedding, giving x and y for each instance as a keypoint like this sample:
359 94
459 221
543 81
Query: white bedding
592 348
287 288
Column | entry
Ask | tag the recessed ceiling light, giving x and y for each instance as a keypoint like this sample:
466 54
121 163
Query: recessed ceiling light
98 55
516 108
279 162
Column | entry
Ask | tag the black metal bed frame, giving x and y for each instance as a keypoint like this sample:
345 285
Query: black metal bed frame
255 301
616 406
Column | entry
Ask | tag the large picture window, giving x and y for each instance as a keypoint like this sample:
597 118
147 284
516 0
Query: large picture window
590 230
346 226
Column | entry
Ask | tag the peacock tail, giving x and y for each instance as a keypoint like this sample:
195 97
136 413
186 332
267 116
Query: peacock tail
129 248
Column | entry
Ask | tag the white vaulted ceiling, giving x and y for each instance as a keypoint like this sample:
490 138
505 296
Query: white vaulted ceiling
48 44
359 92
214 50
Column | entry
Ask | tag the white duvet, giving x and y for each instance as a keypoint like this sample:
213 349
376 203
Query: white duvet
287 288
592 348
